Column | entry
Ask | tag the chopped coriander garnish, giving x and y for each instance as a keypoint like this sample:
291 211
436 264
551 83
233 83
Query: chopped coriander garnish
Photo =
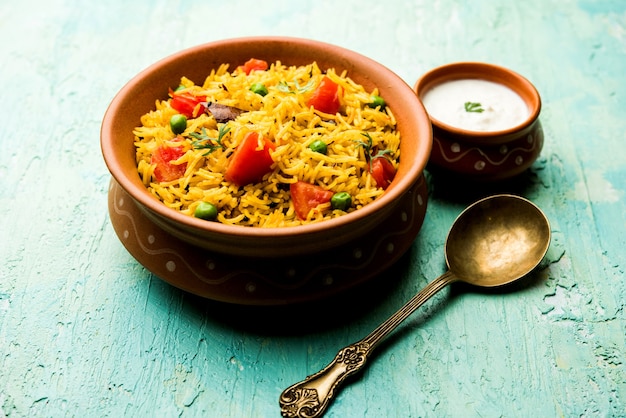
473 107
204 141
367 146
308 86
284 87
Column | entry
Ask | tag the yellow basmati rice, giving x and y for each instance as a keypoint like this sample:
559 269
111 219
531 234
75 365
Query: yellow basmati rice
284 118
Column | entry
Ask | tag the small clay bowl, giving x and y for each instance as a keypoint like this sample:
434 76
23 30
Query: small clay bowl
484 155
138 96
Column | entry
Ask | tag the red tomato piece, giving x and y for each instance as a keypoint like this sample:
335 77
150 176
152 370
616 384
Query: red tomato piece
187 104
165 170
325 98
251 160
307 196
253 64
383 172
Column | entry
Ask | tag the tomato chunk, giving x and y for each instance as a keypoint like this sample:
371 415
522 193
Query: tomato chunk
383 172
251 160
307 196
253 64
165 170
187 104
325 98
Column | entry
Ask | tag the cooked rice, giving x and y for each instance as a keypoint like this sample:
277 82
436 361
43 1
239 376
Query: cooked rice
284 118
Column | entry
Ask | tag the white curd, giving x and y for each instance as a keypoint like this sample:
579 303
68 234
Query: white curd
452 103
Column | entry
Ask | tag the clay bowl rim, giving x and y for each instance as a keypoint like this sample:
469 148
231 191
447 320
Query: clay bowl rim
408 171
483 71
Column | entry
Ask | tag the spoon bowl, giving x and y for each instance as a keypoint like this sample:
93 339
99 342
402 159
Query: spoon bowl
497 240
493 242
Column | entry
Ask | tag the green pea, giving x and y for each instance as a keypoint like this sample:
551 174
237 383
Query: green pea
180 87
377 101
319 146
341 201
259 89
206 211
178 123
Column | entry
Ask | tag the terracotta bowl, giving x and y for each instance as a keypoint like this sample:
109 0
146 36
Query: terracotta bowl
484 155
138 97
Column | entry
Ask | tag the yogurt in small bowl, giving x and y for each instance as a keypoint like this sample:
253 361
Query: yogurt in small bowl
485 120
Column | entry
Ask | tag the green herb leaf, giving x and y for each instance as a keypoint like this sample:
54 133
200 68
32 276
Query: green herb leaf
204 141
284 87
382 153
367 146
474 107
308 86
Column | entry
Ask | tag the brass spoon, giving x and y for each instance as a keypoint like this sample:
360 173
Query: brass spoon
493 242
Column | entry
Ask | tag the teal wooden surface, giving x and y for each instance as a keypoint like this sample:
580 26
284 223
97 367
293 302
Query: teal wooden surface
86 331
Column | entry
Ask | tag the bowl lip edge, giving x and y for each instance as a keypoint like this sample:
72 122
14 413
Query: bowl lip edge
415 170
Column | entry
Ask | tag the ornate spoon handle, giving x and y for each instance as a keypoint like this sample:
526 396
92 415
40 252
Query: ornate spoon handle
310 397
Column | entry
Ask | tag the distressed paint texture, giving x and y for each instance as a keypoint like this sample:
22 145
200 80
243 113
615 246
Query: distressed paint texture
87 331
